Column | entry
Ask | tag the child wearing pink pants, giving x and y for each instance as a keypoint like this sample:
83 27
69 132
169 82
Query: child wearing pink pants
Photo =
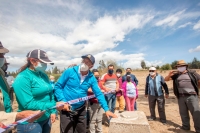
130 92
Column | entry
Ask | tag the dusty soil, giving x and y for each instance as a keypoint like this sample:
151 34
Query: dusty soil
171 107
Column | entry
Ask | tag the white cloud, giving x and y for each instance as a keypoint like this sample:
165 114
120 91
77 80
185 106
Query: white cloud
197 49
170 20
197 25
95 36
198 4
153 63
184 25
69 29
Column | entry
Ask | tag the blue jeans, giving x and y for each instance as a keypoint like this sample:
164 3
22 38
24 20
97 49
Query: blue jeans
36 127
111 100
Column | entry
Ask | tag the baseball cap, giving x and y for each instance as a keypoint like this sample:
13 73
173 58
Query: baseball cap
2 49
40 55
90 57
152 68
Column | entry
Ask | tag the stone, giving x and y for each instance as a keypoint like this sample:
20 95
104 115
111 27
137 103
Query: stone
129 122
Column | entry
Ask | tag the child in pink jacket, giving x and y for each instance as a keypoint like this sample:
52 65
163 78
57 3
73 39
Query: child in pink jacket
130 92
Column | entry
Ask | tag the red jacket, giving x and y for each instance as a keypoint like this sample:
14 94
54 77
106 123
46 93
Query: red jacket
119 93
94 100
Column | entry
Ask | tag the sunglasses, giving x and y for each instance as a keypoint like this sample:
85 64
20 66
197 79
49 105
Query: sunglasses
151 71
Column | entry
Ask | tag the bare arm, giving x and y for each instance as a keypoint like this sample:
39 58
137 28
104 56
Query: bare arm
168 77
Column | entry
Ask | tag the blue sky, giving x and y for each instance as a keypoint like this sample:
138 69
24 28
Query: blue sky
126 31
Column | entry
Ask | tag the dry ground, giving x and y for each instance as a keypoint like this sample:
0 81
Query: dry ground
172 111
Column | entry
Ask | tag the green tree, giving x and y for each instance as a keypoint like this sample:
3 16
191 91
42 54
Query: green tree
173 64
143 64
195 64
157 67
55 70
166 67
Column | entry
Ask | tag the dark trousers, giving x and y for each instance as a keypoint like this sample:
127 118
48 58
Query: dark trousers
135 106
73 123
190 103
161 107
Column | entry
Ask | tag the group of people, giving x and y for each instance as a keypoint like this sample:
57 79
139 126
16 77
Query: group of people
186 84
36 92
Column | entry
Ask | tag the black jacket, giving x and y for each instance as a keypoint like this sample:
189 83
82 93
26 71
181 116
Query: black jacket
193 78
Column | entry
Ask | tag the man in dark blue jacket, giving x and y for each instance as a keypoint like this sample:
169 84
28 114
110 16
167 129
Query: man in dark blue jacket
133 78
74 84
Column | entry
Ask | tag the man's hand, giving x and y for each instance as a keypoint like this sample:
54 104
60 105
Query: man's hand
146 96
168 77
117 89
66 107
110 114
53 118
171 73
166 95
108 89
2 125
60 107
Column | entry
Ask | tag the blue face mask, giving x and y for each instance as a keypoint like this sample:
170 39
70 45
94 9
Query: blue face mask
2 61
41 67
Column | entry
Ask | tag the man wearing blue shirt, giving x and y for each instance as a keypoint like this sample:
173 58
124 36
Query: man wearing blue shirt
73 84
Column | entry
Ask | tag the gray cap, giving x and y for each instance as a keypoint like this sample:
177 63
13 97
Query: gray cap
40 55
2 49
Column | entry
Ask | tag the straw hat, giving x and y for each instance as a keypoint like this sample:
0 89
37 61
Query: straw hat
181 63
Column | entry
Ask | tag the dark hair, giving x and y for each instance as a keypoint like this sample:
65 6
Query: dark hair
119 70
94 70
111 65
128 68
28 64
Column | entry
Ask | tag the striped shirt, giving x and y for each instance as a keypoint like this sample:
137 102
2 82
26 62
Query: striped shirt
110 81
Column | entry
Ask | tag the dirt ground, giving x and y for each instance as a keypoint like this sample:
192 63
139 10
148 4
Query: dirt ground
171 107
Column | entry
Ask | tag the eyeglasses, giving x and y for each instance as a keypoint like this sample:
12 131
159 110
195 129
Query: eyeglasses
151 71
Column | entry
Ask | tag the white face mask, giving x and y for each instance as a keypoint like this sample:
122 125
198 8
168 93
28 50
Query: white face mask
2 61
84 67
181 69
152 73
118 74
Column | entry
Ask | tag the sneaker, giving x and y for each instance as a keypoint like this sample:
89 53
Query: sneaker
183 128
163 122
106 124
121 111
151 119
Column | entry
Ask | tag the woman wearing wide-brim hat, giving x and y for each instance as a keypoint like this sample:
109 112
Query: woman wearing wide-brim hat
185 85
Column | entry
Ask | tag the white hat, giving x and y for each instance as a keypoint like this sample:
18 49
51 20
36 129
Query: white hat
152 68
